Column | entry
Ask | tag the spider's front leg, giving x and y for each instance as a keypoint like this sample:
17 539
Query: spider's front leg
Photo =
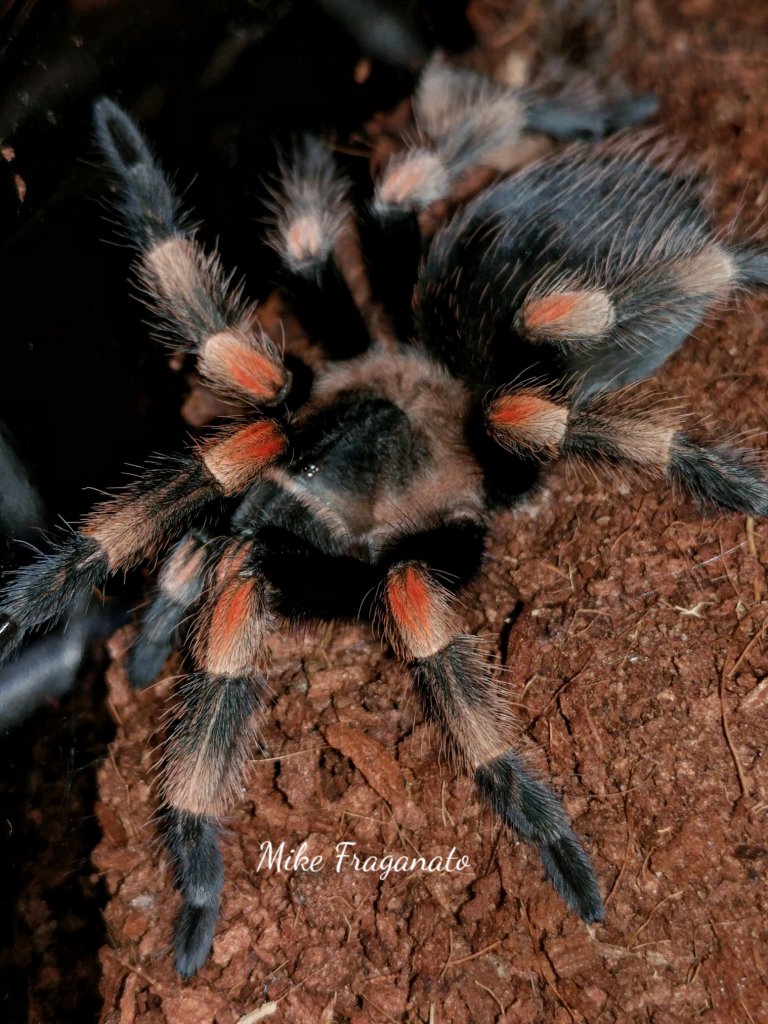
188 289
459 694
198 306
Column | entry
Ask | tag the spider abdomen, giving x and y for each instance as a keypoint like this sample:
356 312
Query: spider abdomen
590 266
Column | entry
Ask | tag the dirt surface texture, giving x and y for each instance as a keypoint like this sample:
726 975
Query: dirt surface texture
631 635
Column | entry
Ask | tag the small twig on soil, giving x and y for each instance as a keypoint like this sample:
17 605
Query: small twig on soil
728 572
563 686
542 972
264 1011
365 817
750 1018
129 819
709 561
752 548
629 789
746 650
492 994
493 853
307 976
629 833
396 825
727 732
693 973
130 967
694 612
380 977
472 956
646 922
444 810
293 753
560 572
448 958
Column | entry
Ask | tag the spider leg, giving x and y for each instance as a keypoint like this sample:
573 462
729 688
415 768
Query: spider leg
463 120
137 524
568 121
211 741
179 586
621 430
448 666
445 94
188 289
455 685
392 244
421 176
312 211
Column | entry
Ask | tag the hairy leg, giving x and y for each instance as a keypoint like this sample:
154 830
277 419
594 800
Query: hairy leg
312 213
211 741
198 306
179 586
456 686
137 524
624 431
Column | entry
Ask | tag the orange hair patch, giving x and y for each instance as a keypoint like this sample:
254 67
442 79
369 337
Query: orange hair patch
525 421
231 360
234 634
567 316
416 181
237 460
419 611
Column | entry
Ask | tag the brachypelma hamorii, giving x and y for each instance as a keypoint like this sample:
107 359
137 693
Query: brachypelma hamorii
537 306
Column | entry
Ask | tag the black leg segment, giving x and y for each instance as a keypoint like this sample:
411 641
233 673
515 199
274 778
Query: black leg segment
533 810
199 876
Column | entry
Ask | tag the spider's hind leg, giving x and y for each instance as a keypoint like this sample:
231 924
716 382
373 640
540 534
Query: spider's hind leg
458 693
211 741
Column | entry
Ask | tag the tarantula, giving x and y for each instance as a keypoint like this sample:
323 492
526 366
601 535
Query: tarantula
536 307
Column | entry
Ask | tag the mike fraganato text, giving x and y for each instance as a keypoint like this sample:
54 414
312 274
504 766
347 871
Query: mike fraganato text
282 859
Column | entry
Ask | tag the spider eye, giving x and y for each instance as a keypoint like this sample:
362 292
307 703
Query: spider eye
309 469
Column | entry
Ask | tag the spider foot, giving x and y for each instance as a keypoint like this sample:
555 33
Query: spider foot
535 812
193 842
